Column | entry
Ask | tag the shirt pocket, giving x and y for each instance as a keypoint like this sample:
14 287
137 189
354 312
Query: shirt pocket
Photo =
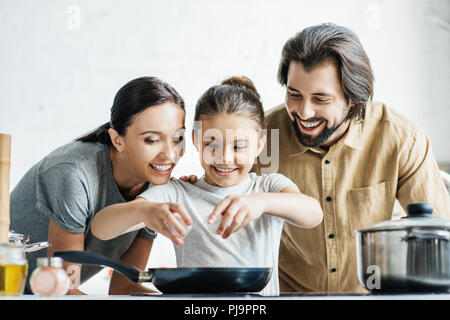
368 205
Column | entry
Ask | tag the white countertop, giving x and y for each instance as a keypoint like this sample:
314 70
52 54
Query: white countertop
421 296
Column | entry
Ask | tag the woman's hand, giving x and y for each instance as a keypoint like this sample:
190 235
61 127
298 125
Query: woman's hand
236 212
191 179
169 219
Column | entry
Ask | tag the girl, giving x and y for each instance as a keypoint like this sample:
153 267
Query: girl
245 210
58 197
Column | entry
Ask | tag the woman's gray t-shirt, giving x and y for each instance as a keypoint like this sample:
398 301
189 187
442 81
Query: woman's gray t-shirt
69 186
255 245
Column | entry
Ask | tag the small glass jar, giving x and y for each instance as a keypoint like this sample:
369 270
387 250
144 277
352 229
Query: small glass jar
49 279
13 269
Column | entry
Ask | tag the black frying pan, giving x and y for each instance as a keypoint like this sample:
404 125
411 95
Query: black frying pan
181 280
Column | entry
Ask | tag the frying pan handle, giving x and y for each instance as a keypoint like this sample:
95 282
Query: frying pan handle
85 257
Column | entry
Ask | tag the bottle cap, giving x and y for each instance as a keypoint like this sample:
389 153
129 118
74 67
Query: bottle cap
50 262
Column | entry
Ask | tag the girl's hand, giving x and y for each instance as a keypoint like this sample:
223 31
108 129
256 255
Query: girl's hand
169 219
236 212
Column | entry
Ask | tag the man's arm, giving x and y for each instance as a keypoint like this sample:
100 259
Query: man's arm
419 177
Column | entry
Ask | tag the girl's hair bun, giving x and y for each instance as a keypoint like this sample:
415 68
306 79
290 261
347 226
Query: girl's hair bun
241 82
235 95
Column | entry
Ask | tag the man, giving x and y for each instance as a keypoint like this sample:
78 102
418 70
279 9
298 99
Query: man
354 155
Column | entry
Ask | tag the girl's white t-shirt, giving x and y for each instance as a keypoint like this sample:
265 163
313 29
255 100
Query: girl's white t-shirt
255 245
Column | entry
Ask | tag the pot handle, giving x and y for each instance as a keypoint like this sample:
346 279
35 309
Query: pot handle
419 209
428 234
85 257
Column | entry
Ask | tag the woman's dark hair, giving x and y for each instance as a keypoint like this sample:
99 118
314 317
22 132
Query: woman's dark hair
133 98
317 44
235 95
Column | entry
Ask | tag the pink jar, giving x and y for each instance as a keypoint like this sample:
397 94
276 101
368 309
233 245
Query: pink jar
49 279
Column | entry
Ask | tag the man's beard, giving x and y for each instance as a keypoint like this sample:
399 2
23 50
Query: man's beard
317 142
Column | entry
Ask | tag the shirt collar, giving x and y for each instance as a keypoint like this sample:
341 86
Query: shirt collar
353 137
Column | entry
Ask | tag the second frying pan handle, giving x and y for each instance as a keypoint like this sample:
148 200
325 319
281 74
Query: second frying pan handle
85 257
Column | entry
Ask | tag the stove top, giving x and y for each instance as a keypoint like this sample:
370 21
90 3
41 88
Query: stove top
200 295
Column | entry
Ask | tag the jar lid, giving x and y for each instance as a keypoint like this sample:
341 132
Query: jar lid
419 215
15 237
50 262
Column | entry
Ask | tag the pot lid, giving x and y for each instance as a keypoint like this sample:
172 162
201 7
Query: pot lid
419 215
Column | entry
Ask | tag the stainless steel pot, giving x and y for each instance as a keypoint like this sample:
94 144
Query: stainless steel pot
23 239
411 254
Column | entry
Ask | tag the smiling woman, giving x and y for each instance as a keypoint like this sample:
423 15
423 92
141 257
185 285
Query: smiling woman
153 144
59 196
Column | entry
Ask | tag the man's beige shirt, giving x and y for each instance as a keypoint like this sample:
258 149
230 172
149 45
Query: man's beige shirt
356 181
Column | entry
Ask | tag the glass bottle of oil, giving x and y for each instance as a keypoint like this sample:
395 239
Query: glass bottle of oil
13 269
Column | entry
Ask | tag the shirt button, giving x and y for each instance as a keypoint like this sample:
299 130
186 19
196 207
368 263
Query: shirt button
328 199
333 270
327 161
331 236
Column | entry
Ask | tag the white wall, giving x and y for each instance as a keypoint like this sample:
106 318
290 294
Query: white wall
61 62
